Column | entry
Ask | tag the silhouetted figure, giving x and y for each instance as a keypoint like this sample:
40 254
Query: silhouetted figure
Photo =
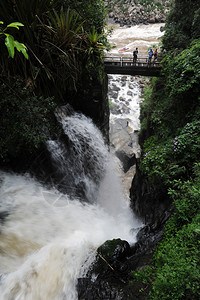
135 53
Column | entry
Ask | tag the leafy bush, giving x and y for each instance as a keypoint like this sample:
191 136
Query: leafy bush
25 118
166 160
172 100
177 269
186 72
182 25
171 156
187 143
56 35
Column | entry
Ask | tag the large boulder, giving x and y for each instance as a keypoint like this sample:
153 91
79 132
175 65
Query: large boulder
149 200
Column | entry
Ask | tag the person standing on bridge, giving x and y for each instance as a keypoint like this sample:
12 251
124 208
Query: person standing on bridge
135 53
155 54
150 52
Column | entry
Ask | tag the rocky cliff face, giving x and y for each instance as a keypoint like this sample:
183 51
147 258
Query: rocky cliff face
132 12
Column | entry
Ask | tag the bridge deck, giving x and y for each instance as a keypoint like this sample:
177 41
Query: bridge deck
126 66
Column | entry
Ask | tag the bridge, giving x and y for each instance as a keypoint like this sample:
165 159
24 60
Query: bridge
125 66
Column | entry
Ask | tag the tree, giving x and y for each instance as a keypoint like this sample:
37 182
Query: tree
182 24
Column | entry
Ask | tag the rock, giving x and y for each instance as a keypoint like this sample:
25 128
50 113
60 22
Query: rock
130 86
133 14
123 78
148 200
114 95
127 160
115 88
129 93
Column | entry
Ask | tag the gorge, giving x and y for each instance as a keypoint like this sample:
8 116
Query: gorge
87 212
75 201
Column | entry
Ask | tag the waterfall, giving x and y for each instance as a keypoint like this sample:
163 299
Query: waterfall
48 239
82 163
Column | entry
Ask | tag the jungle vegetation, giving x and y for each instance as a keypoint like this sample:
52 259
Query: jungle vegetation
170 117
63 43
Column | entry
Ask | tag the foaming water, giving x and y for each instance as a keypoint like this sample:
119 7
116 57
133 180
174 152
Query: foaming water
83 161
49 239
140 36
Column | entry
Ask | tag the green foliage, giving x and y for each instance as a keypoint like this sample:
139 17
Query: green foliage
65 40
171 115
182 25
170 102
175 269
93 11
177 265
25 118
168 159
10 42
177 262
95 48
187 143
55 33
186 71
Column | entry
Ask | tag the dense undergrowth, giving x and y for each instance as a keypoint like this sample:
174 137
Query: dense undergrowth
64 42
170 116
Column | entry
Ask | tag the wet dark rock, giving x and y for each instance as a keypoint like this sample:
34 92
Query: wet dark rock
123 78
130 86
115 110
110 275
127 160
115 88
89 290
125 109
114 95
110 270
148 200
3 216
113 273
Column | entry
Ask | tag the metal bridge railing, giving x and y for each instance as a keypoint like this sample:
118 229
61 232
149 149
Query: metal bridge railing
128 61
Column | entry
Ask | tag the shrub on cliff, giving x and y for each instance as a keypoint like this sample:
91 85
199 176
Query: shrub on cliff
182 25
62 55
26 119
171 156
176 262
172 101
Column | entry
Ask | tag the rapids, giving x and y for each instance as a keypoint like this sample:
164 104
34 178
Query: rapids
48 239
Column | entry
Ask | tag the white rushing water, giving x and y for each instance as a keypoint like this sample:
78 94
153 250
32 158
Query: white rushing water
141 36
48 239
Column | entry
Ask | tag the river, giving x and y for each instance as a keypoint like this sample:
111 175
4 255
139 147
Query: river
124 92
49 239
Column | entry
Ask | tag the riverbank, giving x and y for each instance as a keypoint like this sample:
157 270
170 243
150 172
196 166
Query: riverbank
134 13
